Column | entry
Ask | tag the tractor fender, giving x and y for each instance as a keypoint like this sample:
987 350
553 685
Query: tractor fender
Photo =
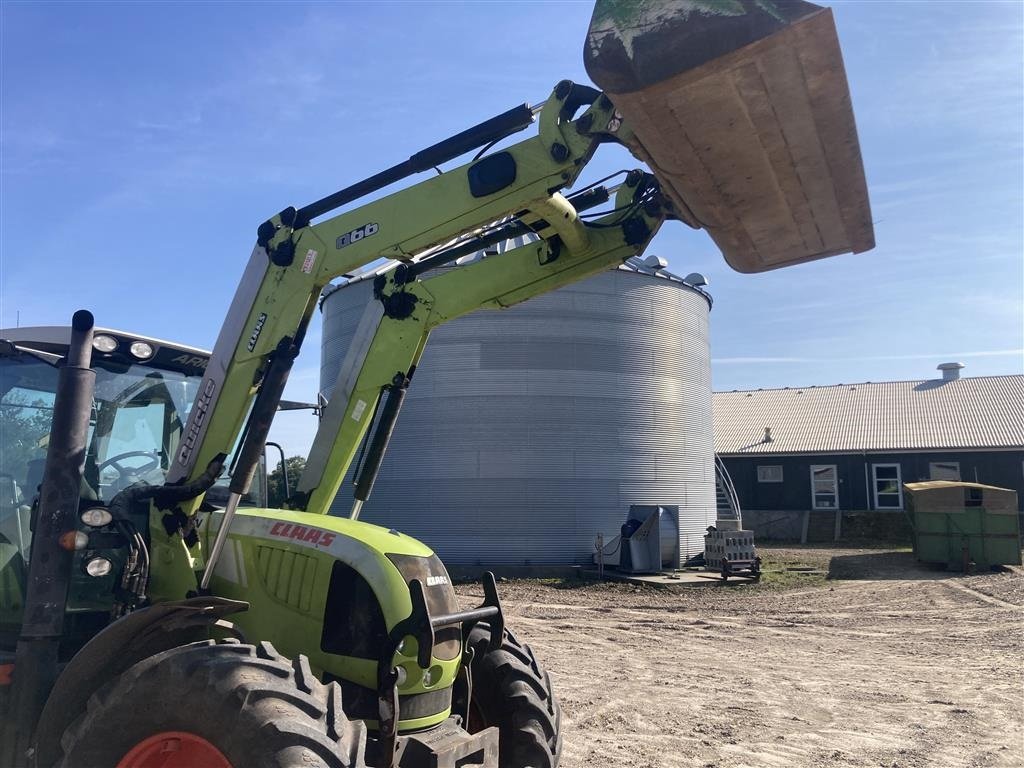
117 647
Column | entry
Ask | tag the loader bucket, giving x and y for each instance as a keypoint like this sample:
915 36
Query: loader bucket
742 110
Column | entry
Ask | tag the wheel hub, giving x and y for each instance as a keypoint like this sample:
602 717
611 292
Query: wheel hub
174 749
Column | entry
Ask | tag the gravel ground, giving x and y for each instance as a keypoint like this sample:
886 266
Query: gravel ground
882 663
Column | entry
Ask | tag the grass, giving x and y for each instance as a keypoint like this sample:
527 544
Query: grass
844 543
787 570
783 566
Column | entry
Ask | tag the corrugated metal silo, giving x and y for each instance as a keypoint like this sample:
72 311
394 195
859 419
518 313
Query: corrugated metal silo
528 431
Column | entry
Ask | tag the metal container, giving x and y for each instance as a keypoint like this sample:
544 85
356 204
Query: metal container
528 431
959 523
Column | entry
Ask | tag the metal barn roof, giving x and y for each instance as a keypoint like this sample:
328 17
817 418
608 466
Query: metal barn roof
979 412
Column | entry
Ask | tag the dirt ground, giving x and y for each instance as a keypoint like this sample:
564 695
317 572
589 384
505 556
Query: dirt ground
870 661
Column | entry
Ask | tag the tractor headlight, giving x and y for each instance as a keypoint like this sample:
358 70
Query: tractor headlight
101 342
141 350
96 517
98 566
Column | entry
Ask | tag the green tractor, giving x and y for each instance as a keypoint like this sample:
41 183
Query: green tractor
153 610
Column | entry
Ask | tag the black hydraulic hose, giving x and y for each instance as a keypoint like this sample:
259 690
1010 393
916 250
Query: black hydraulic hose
166 496
494 129
395 395
506 232
262 415
581 202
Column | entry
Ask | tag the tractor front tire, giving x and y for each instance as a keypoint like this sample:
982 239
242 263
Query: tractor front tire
211 705
513 693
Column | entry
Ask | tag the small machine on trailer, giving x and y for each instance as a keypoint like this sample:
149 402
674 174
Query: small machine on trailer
731 552
150 619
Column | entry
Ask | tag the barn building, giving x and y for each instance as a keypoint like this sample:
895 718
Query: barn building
817 463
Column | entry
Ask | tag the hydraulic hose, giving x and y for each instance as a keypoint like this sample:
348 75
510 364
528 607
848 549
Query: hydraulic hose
256 432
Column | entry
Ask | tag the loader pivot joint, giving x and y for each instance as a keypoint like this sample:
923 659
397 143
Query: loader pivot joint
284 254
635 231
177 521
398 305
576 97
288 216
265 233
584 124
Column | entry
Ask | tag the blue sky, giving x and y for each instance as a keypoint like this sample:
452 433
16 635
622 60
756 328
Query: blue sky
142 143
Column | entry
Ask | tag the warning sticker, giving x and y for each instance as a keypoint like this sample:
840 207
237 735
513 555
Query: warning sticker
307 263
357 412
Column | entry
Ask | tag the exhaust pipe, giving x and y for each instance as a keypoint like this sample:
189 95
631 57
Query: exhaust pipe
54 540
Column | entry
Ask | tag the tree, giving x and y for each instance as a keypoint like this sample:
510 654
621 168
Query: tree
24 429
275 480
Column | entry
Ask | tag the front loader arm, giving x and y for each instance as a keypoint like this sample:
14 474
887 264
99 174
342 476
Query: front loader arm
294 259
394 329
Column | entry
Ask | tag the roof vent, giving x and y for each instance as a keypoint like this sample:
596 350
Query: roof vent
767 435
950 371
656 263
696 279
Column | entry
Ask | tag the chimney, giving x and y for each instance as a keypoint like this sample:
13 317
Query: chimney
767 435
950 371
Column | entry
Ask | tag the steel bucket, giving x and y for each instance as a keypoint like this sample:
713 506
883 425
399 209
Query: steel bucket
742 110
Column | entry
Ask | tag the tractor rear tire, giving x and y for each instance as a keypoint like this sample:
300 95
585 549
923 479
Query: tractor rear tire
513 693
215 704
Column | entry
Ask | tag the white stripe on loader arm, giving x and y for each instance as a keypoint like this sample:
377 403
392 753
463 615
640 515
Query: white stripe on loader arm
337 403
216 370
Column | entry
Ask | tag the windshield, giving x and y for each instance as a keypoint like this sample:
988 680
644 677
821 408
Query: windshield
138 415
137 418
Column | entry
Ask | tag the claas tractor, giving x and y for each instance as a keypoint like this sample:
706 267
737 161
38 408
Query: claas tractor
155 612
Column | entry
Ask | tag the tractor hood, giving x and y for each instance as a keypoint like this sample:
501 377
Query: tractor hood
742 110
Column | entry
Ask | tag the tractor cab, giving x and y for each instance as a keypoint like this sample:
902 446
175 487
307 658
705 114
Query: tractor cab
143 393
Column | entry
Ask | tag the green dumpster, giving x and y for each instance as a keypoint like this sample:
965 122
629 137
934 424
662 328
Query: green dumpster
959 523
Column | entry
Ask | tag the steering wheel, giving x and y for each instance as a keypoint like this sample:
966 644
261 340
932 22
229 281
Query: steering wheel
153 461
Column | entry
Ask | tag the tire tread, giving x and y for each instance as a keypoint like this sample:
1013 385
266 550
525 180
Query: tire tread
273 712
528 716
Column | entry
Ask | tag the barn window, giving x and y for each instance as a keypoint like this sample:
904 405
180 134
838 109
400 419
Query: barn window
771 473
887 483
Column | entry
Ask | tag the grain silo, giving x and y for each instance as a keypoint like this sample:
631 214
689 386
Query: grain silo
528 431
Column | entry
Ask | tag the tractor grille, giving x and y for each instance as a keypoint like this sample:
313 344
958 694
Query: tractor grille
287 576
360 703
